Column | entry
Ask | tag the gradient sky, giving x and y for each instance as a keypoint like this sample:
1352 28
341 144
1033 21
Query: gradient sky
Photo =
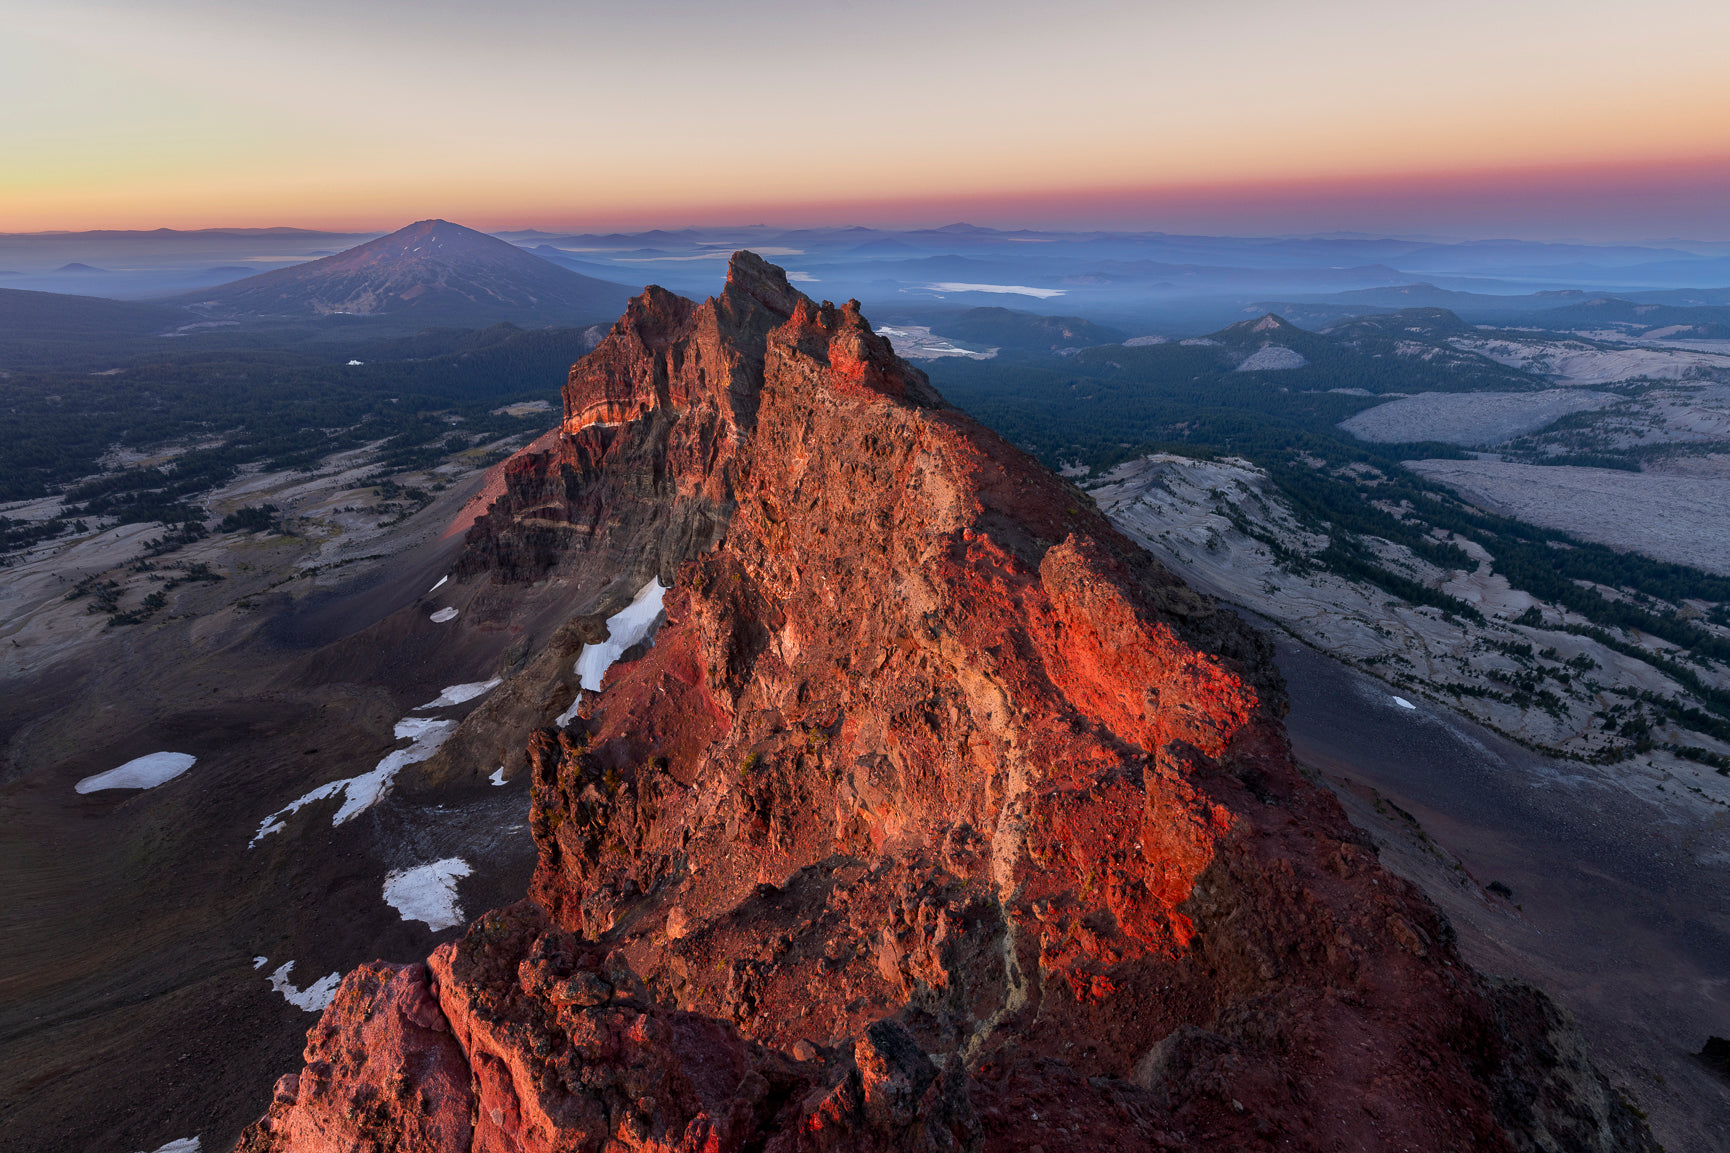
1524 117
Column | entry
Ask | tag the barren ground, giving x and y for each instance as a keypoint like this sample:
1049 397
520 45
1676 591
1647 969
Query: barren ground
1673 518
1192 516
1620 907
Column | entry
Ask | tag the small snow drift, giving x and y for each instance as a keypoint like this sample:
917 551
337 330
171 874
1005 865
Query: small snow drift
144 772
570 713
363 792
427 893
439 585
1272 358
458 694
184 1145
314 998
498 777
445 614
1403 703
624 629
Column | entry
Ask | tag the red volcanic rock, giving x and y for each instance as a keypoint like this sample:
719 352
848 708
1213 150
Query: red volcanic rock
382 1072
938 815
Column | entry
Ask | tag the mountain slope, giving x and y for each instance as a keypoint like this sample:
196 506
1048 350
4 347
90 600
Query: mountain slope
431 272
935 816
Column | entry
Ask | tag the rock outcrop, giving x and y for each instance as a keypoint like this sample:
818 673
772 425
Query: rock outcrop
937 816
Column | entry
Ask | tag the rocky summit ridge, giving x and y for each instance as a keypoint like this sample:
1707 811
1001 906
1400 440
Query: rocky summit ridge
936 815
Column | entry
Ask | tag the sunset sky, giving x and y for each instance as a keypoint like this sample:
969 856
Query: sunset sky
1513 117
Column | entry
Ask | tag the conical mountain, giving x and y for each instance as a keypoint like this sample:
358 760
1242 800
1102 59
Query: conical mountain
432 272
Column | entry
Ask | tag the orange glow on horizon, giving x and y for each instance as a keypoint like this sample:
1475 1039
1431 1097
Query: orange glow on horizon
191 113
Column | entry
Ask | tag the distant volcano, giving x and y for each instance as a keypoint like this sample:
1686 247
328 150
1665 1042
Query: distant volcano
432 272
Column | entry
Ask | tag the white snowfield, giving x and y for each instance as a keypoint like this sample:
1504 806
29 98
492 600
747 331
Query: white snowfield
144 772
314 998
439 585
498 777
445 614
569 714
428 893
1271 359
624 629
1403 703
363 792
184 1145
459 694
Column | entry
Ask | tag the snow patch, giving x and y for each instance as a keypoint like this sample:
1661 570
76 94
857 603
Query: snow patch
498 777
314 998
184 1145
428 892
144 772
260 962
445 614
440 585
368 789
352 363
569 714
624 629
1273 358
1403 703
458 694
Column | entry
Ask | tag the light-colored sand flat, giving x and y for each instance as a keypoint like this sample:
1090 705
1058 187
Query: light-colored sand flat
1684 519
1580 363
1192 515
916 342
1471 418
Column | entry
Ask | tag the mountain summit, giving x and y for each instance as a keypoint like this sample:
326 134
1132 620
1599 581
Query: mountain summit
934 816
432 271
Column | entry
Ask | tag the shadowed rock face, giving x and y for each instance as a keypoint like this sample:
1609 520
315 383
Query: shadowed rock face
937 816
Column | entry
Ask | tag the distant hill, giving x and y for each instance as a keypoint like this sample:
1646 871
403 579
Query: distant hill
1406 324
1008 328
59 315
1634 319
431 273
1408 351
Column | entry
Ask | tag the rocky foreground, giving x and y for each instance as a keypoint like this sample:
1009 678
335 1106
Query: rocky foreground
936 816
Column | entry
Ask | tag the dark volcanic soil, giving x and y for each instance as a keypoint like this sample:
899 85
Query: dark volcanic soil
131 1012
1619 910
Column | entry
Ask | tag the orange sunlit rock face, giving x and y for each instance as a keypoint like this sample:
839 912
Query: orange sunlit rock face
937 816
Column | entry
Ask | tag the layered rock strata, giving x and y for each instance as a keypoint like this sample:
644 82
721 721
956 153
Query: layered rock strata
937 816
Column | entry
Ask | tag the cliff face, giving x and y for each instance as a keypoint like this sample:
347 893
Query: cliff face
936 816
